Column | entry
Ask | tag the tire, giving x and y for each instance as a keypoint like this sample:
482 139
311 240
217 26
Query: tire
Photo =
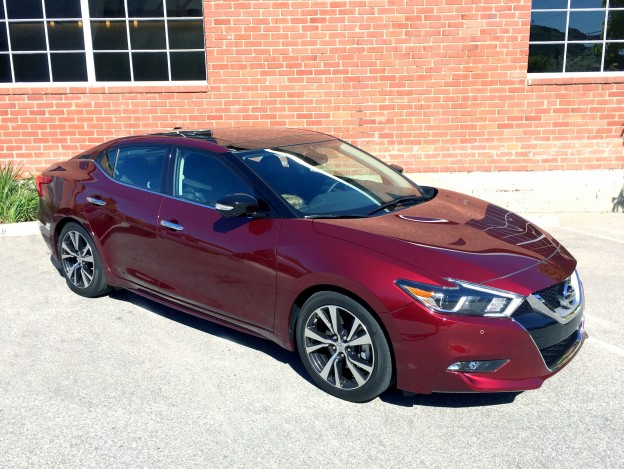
343 348
80 262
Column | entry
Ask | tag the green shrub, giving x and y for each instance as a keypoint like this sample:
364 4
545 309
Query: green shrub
19 200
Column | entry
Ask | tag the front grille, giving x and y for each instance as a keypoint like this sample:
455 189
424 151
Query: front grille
553 353
551 295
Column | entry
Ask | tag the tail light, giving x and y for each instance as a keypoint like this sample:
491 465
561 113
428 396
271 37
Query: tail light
40 181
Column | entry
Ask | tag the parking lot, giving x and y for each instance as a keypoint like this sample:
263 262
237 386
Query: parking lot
121 381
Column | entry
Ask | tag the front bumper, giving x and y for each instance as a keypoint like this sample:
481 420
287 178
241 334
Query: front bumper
429 343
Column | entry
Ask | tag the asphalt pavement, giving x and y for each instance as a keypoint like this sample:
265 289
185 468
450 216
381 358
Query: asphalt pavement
120 381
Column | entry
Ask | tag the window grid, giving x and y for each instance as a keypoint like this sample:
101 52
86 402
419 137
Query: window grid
604 41
85 24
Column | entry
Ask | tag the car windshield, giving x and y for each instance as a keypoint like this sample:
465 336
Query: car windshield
332 179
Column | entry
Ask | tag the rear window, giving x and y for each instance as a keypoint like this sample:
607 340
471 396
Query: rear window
140 166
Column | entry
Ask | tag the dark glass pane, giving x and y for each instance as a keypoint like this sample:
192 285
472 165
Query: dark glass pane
109 35
184 8
150 66
549 4
107 160
586 25
4 44
584 57
141 166
186 34
112 66
616 3
63 9
27 36
545 58
107 9
615 25
31 67
65 35
69 67
588 4
147 34
5 68
548 26
614 58
204 179
145 8
1 12
188 65
24 9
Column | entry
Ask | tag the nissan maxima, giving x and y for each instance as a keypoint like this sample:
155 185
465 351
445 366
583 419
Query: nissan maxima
303 239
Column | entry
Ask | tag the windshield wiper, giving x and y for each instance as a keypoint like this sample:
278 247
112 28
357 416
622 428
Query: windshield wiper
408 199
334 215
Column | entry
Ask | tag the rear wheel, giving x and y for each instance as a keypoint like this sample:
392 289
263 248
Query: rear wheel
80 262
343 348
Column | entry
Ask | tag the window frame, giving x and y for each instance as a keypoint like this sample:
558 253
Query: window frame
603 41
86 21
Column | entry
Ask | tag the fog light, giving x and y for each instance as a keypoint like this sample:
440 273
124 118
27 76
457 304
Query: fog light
477 366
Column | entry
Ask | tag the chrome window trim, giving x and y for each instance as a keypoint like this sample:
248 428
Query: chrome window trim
144 189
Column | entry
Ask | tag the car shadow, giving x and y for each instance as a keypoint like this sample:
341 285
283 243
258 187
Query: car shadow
241 338
451 400
392 396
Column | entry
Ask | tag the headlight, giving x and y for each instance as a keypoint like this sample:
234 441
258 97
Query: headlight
464 298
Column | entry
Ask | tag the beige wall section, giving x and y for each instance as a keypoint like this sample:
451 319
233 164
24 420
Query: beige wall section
538 191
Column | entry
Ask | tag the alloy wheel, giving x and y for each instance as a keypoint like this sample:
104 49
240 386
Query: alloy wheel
339 347
77 259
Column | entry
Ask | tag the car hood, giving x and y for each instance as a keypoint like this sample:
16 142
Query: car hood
458 236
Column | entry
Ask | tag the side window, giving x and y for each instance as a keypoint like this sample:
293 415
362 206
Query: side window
204 179
107 160
140 166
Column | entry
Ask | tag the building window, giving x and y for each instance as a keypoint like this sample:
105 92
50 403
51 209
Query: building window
60 41
572 36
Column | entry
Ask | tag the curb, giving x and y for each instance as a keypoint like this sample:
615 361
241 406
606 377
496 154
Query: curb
28 228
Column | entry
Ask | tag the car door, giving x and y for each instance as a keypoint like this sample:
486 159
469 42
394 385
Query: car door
223 265
122 205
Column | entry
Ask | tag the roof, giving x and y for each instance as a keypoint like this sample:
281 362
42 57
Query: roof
253 138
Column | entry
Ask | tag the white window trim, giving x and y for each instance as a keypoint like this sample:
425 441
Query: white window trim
89 52
565 43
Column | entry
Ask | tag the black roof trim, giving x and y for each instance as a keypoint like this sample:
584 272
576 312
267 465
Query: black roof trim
251 138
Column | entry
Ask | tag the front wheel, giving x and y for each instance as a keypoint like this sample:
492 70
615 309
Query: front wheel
343 348
80 262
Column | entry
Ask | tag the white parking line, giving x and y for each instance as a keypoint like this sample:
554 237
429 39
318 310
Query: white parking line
606 346
608 238
610 230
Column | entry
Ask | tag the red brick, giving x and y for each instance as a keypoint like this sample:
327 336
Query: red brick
436 87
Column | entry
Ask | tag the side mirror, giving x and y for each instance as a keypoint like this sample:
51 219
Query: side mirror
236 205
397 168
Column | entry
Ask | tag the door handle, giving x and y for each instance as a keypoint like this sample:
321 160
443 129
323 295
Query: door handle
171 225
94 201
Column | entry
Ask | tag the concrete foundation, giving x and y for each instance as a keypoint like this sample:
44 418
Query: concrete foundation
538 191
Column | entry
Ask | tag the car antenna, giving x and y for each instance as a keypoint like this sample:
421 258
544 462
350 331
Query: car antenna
177 131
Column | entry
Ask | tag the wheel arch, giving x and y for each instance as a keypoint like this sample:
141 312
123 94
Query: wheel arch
303 296
61 223
58 227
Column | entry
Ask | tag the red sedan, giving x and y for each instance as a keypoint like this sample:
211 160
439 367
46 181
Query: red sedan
306 240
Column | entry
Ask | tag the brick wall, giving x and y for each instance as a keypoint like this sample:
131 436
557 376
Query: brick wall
433 85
